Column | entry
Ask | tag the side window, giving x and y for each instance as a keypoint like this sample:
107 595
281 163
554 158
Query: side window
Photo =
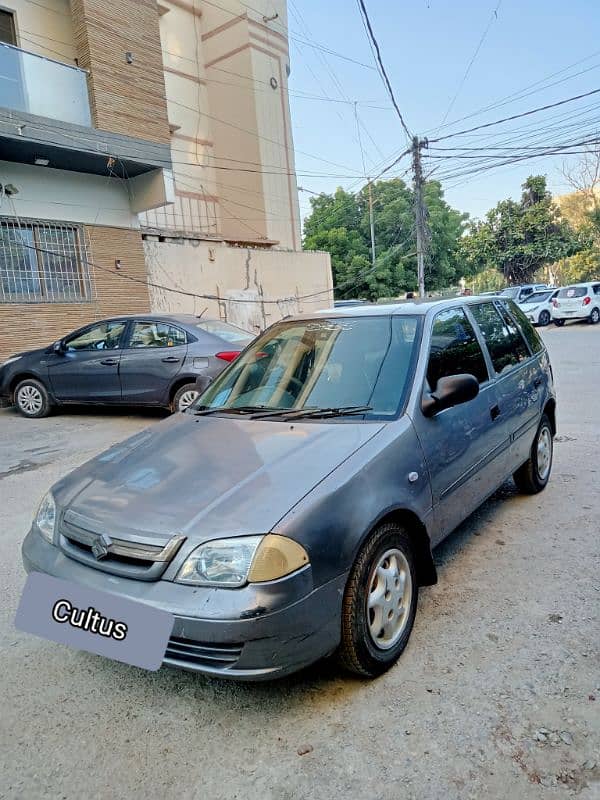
454 348
7 27
156 334
504 341
104 336
596 288
529 332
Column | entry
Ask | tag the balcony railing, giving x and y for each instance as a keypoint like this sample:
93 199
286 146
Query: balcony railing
41 86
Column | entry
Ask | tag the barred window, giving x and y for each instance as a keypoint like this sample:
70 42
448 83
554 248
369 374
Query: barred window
42 262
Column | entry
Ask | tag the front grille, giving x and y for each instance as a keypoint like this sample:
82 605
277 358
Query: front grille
87 541
202 654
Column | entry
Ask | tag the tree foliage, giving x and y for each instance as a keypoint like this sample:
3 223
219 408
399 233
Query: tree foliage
519 238
339 224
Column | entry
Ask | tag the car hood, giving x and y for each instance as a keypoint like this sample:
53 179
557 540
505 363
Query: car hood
207 477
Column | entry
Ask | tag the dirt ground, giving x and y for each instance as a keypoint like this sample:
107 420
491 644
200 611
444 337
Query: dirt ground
497 695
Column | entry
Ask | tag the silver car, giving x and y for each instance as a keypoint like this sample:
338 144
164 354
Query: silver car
291 512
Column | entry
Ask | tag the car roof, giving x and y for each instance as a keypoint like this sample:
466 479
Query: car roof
404 308
181 319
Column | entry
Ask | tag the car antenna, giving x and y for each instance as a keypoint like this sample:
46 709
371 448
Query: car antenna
200 315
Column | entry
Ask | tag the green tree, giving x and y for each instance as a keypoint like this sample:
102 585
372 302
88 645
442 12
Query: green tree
519 238
339 223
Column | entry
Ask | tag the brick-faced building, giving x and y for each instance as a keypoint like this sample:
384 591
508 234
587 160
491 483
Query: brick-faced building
143 139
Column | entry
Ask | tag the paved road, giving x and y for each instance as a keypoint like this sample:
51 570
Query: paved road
505 646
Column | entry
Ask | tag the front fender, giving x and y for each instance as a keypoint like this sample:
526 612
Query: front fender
334 519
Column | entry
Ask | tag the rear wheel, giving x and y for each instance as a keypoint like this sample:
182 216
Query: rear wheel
32 399
380 603
184 397
544 318
559 322
595 316
533 476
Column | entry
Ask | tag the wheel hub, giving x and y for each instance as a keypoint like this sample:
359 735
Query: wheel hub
187 398
30 399
544 453
389 599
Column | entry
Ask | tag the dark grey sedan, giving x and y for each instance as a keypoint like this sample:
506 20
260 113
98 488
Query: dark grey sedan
291 512
150 360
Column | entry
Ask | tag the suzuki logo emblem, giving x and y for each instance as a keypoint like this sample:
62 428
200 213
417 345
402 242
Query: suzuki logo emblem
101 546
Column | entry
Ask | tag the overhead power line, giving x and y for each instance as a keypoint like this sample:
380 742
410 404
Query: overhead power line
382 70
515 116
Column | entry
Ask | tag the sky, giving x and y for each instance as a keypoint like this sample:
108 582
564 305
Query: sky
427 46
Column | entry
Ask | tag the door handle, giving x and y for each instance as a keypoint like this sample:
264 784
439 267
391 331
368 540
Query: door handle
110 362
495 412
171 360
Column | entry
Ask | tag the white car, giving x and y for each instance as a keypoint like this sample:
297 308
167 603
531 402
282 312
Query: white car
538 306
579 301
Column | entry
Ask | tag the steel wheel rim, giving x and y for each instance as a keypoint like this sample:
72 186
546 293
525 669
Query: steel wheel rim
389 599
30 399
544 453
187 398
595 315
544 317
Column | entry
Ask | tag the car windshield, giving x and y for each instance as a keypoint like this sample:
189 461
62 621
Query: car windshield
230 333
512 292
537 297
344 363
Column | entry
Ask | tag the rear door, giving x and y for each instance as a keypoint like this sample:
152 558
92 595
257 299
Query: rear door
461 444
153 355
519 378
88 369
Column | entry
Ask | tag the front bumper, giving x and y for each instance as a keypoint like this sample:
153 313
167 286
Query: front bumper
266 631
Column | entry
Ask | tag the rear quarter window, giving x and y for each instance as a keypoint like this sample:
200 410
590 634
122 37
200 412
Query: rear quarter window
530 334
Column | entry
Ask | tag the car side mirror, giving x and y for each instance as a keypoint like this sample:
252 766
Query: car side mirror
450 391
59 347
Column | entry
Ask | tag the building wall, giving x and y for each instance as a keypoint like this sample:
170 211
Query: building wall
232 150
44 28
46 193
258 275
31 325
127 98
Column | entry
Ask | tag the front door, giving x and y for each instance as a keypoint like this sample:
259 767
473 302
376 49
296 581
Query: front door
153 356
462 444
88 368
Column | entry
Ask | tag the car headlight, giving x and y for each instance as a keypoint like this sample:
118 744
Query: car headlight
10 361
45 519
245 559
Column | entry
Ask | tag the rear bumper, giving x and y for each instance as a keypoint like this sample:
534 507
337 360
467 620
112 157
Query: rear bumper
258 644
576 314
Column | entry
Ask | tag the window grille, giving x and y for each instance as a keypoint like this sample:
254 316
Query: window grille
43 262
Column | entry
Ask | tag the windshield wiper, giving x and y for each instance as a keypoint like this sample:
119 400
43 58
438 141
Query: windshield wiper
336 411
236 410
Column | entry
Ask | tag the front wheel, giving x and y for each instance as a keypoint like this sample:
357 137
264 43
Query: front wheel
595 316
184 397
533 476
380 603
32 399
559 322
544 318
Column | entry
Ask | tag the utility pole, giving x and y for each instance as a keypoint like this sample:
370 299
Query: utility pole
420 211
372 222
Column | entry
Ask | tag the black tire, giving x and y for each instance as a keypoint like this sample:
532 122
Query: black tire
544 318
559 322
530 478
358 652
595 316
180 394
32 399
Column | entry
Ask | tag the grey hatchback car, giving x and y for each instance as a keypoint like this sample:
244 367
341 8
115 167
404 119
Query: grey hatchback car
146 360
291 512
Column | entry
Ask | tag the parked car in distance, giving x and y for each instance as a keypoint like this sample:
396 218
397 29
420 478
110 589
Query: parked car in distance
579 301
309 483
519 293
537 307
149 359
349 303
